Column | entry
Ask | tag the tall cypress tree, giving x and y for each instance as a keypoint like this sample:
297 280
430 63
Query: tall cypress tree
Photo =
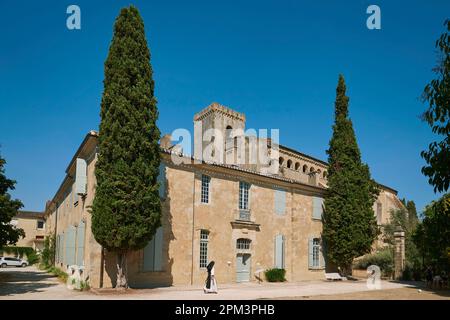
126 209
349 224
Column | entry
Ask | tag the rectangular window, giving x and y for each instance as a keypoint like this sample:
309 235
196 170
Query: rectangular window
379 212
40 224
206 180
204 238
153 252
316 253
279 251
280 201
244 188
317 208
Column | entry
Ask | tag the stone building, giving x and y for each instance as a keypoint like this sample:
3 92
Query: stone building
34 226
238 215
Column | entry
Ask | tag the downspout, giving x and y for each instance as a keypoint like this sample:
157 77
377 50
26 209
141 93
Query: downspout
56 230
193 231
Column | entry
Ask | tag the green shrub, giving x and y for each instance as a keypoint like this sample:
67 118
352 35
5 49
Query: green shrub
48 253
17 251
275 275
59 273
383 259
32 258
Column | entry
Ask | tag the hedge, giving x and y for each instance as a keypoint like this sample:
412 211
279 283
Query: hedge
275 275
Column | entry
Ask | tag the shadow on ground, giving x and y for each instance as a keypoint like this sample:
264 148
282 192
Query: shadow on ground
443 292
17 282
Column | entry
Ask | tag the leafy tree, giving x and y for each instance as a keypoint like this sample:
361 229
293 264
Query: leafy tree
432 236
349 224
9 234
437 93
126 209
403 219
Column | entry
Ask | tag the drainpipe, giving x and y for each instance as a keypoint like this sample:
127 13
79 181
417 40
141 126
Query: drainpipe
56 230
193 231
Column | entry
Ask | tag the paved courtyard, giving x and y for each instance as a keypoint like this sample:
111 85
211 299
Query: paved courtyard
31 283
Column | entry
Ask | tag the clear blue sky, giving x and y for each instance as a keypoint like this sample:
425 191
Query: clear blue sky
276 61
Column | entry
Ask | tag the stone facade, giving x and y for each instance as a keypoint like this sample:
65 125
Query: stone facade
34 226
244 220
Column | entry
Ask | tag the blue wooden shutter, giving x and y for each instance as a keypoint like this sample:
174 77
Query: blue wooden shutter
62 255
149 256
317 208
81 176
57 248
158 249
71 246
279 254
162 181
80 243
310 253
280 202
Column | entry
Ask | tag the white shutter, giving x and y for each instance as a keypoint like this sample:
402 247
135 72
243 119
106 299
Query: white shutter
280 202
317 208
279 251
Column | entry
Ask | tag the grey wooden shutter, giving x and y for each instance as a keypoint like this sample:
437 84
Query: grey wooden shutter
158 249
279 254
280 201
70 246
317 208
80 243
81 176
63 249
310 253
162 180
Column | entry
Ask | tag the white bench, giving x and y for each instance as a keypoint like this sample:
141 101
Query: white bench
334 276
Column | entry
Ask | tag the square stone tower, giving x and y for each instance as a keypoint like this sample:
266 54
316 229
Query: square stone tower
215 129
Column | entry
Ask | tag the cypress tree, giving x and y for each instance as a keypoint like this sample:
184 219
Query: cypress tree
126 209
349 224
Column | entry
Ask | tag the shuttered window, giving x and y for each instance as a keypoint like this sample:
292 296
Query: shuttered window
70 246
162 181
280 201
153 252
81 177
80 243
317 208
279 251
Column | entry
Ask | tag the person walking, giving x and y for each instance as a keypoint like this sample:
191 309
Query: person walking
210 283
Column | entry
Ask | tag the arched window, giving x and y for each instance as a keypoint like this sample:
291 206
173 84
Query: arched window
311 170
289 164
324 174
281 161
297 165
319 171
305 168
243 244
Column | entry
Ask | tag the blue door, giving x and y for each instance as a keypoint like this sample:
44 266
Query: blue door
243 267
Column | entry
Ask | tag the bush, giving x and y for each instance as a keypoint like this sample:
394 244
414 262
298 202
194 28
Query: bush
383 259
48 253
275 275
32 258
22 252
59 273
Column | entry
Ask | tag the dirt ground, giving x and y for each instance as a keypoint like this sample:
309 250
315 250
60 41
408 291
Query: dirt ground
406 293
32 284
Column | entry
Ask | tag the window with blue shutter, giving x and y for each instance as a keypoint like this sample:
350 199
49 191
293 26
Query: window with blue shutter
280 201
80 243
70 246
279 251
81 177
153 253
317 208
62 246
162 181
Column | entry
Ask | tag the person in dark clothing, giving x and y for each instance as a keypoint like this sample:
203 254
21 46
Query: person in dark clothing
210 283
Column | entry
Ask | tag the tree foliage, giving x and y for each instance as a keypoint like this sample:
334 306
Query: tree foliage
349 224
9 234
432 236
126 209
437 94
